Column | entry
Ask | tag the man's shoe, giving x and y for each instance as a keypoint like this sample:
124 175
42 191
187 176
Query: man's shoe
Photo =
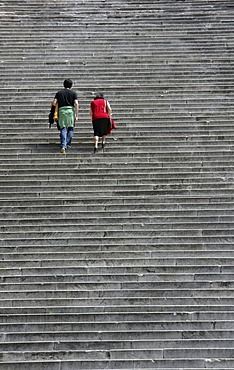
63 150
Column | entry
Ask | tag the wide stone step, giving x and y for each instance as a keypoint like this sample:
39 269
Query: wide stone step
89 229
11 216
135 258
30 281
175 202
36 319
142 137
112 291
145 136
22 215
201 156
131 302
136 222
140 269
117 364
105 238
123 190
118 354
152 164
44 181
109 309
115 193
110 285
160 178
114 252
115 186
102 344
73 331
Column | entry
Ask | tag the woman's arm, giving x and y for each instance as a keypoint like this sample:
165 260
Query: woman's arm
109 110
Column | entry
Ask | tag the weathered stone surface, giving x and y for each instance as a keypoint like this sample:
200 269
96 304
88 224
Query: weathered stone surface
123 259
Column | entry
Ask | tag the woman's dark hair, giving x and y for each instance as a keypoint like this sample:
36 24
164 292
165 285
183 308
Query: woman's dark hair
99 95
67 83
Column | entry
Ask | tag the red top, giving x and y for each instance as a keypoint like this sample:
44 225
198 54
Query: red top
99 109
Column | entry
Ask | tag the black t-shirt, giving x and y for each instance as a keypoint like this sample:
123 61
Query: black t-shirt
66 97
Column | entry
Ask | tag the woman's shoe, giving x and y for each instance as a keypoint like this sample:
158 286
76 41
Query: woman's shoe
95 149
103 145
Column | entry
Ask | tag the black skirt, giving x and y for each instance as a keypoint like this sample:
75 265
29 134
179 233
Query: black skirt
100 126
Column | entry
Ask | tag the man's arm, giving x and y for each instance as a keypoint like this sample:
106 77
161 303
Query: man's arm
76 105
52 110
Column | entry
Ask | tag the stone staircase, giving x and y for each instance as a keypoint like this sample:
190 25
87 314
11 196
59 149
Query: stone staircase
123 259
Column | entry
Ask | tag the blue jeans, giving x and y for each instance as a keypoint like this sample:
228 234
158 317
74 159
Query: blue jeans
66 136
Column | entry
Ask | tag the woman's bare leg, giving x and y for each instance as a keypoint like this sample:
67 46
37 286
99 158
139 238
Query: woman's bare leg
95 141
103 140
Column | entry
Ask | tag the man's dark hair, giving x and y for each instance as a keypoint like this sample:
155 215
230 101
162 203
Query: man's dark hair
67 83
